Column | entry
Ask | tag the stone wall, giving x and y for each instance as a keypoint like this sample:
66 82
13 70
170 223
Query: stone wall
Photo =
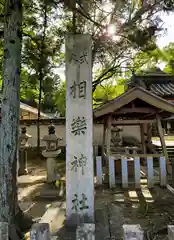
132 131
60 131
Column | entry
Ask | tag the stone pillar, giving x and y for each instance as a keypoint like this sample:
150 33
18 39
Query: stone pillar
132 232
40 231
23 141
79 131
51 153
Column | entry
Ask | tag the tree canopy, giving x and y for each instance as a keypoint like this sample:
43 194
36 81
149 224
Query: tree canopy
124 40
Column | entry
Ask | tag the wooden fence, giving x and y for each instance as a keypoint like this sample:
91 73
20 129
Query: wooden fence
137 169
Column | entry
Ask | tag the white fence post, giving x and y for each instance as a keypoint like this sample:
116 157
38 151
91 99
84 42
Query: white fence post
170 232
4 231
40 231
137 172
124 172
132 232
111 172
163 172
99 171
150 180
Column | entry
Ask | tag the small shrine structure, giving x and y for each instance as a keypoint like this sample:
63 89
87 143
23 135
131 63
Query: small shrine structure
159 83
137 106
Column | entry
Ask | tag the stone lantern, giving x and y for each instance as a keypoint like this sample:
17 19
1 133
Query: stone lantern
24 145
51 152
23 137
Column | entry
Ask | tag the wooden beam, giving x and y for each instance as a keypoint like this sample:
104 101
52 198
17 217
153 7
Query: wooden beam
131 122
150 114
137 155
104 138
163 144
135 110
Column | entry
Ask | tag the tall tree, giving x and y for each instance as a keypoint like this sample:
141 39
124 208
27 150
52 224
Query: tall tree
118 29
10 113
41 70
42 52
39 54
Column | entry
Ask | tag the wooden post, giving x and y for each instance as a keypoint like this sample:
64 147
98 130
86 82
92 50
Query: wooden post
79 131
4 231
99 170
108 145
95 154
142 138
104 139
104 157
163 144
40 231
108 136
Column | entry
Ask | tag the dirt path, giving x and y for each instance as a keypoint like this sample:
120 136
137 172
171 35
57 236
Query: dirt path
30 186
152 209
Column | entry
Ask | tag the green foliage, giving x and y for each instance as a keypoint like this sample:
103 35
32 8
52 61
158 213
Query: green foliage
60 98
168 58
45 24
152 59
102 94
105 93
41 53
28 87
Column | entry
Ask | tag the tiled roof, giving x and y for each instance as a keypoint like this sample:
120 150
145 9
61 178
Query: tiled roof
156 81
162 90
33 110
28 108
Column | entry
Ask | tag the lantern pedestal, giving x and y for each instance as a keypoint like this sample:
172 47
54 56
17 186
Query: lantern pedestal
22 162
51 164
22 158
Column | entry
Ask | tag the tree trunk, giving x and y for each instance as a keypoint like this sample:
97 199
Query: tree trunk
74 18
38 116
10 114
41 75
